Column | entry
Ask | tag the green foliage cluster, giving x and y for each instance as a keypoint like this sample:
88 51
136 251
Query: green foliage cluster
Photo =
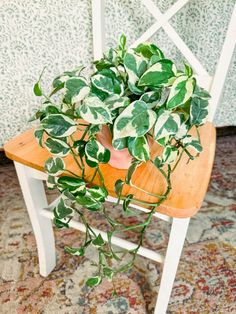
137 93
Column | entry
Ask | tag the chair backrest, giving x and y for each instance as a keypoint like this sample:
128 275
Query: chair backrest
214 84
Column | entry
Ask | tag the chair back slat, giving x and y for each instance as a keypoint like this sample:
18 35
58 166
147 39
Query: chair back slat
213 84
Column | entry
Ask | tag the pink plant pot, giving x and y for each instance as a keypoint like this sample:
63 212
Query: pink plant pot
120 159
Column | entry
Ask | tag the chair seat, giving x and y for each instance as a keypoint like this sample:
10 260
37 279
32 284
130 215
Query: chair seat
189 180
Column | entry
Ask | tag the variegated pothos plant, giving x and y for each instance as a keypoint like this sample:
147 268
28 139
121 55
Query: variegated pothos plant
137 93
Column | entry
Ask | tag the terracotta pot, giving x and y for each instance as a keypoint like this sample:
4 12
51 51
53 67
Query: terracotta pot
120 159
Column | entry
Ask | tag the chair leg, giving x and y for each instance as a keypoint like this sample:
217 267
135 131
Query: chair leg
176 242
35 199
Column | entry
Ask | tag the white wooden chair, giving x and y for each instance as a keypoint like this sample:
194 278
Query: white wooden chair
29 161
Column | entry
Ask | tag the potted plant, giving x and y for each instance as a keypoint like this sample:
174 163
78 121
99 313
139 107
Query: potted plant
135 99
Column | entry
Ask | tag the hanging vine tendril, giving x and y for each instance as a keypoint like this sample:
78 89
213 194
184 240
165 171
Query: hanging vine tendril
137 94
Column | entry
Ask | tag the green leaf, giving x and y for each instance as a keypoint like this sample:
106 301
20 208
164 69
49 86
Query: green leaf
136 120
51 182
102 64
57 147
105 83
188 70
120 143
76 90
58 125
62 210
139 148
54 166
88 202
96 153
97 193
181 91
94 129
115 101
127 201
78 251
62 78
73 185
38 133
169 154
66 195
152 99
191 142
123 41
201 93
94 281
135 66
79 147
134 165
148 50
37 87
158 162
167 124
198 111
55 90
60 224
94 111
118 187
108 273
162 73
37 90
98 242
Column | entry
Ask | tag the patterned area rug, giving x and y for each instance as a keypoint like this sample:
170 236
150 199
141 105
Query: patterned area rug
206 278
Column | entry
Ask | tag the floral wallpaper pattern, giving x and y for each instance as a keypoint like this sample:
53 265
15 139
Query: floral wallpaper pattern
57 34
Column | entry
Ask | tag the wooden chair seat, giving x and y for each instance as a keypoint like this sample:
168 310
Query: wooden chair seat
189 180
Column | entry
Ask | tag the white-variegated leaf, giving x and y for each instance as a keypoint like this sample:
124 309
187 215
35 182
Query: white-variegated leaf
54 166
62 210
51 182
57 147
199 110
58 125
162 73
136 120
181 91
152 98
167 124
135 66
139 148
76 90
119 143
107 84
97 193
148 50
169 154
71 184
96 153
115 101
38 133
93 110
193 143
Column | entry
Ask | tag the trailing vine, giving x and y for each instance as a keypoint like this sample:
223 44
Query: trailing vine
139 95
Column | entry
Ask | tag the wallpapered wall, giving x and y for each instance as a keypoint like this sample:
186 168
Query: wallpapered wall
57 34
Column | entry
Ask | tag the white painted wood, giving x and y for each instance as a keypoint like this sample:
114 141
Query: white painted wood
35 199
115 240
36 174
175 245
166 17
223 65
158 215
204 81
98 23
197 66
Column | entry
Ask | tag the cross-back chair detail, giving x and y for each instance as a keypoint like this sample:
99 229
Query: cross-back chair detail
29 160
214 84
